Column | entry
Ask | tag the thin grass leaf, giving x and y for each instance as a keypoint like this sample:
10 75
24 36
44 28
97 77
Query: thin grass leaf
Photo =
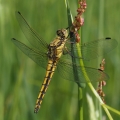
112 109
73 52
82 85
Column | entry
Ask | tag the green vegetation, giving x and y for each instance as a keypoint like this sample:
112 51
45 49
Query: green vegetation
21 78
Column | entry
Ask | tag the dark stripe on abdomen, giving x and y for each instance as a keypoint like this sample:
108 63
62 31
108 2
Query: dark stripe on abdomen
49 73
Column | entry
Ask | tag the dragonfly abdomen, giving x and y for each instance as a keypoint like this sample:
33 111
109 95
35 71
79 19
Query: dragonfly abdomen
49 73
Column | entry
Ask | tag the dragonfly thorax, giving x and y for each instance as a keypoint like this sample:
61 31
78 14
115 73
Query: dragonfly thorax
55 48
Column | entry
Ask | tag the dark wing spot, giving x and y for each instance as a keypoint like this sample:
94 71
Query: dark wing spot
107 38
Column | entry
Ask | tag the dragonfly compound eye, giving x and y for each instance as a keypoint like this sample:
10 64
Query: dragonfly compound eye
60 33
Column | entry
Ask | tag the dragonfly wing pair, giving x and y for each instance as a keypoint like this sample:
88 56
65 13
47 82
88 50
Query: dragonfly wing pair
65 66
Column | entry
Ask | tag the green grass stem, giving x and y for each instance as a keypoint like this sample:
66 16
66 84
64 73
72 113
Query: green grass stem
80 94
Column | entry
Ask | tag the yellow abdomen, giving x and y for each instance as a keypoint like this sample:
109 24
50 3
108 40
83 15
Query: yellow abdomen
49 73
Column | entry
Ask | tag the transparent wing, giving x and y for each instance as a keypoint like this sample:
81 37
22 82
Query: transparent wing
30 34
94 49
65 66
37 56
65 69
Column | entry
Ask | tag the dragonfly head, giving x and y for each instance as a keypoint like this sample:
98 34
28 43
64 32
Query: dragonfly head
62 33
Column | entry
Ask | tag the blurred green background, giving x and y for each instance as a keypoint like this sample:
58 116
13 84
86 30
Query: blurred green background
21 78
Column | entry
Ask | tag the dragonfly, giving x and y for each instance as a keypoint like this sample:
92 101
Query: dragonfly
57 55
